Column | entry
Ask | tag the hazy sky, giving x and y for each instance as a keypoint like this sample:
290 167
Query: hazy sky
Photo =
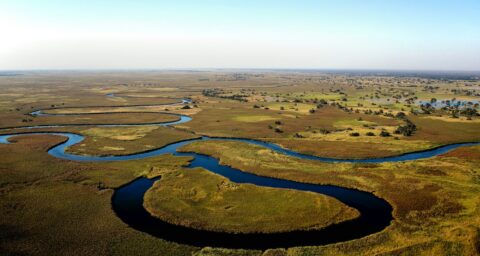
368 34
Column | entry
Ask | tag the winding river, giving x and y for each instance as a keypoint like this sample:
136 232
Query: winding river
127 201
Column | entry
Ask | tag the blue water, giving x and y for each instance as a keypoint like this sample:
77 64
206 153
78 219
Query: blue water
127 201
181 118
450 103
59 150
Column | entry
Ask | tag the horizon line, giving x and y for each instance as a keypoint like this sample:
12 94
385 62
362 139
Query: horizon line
242 68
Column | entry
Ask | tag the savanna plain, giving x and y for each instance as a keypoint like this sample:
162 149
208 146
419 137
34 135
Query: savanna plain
55 206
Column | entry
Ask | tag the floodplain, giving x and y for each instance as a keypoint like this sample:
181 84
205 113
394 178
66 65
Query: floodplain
53 206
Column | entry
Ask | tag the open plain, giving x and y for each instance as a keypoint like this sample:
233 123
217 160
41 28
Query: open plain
240 153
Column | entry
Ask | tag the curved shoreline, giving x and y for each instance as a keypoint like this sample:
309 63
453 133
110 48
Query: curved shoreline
38 112
408 156
127 201
181 119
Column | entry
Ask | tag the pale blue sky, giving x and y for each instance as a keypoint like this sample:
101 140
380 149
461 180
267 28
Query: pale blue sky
369 34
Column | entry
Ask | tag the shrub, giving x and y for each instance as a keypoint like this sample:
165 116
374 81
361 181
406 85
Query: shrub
323 102
324 131
370 134
469 112
298 135
354 134
384 134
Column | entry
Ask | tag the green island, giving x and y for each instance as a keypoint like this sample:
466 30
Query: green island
199 199
55 206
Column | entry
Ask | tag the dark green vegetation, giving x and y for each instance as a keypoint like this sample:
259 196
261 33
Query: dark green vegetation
200 199
56 207
435 201
127 140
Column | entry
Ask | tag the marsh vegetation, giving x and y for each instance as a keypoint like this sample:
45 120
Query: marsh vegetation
52 206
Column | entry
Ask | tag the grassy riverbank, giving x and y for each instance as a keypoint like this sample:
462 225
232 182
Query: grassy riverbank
127 140
55 207
203 200
50 206
435 200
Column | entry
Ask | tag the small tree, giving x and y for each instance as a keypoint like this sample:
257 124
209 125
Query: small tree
384 134
400 115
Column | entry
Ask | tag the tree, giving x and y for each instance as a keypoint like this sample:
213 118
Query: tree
469 112
408 129
323 102
400 115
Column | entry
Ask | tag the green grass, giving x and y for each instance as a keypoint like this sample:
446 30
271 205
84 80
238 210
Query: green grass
292 108
203 200
352 123
110 118
435 200
54 207
254 119
126 140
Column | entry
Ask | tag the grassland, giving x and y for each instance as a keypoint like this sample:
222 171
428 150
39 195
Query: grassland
126 140
177 108
435 200
56 207
111 118
203 200
327 131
